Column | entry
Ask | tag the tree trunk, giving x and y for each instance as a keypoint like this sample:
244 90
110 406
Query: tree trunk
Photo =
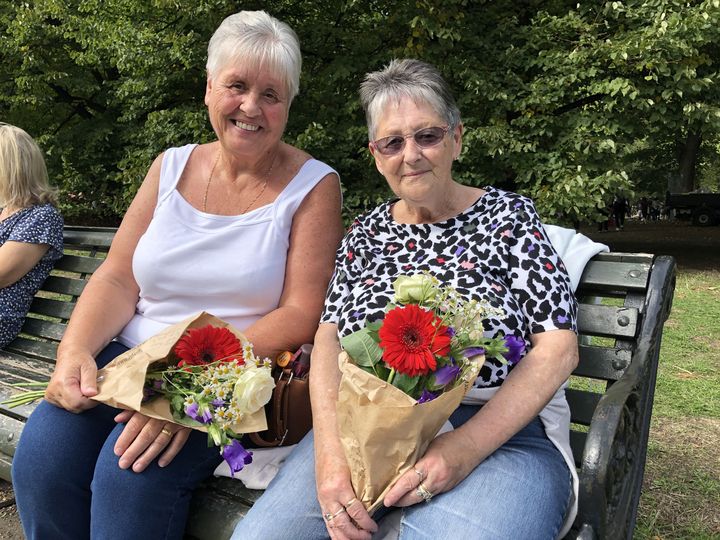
687 158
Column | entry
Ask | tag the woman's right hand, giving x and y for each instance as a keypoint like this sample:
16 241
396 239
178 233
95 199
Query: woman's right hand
73 382
350 520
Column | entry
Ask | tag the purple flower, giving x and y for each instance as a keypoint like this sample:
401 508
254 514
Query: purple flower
516 348
192 410
450 331
157 384
473 351
217 402
445 375
148 394
236 456
206 416
426 396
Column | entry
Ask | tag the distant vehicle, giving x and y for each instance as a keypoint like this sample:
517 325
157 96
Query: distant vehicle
702 208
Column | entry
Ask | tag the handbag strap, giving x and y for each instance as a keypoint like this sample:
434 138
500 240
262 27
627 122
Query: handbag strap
284 378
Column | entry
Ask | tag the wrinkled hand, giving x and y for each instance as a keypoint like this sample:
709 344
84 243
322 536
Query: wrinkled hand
447 462
73 382
345 516
145 438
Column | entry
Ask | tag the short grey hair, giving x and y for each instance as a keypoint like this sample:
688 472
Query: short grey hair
407 78
263 41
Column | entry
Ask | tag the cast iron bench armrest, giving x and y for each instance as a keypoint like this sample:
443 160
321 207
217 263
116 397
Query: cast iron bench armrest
613 461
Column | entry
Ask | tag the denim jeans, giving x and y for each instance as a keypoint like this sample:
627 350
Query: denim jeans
68 484
521 491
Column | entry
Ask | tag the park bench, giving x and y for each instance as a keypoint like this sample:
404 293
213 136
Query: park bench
625 300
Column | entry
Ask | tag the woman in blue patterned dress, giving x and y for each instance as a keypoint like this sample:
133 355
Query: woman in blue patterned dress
506 469
31 228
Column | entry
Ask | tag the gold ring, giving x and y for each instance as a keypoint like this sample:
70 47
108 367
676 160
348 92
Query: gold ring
351 501
329 517
167 432
423 492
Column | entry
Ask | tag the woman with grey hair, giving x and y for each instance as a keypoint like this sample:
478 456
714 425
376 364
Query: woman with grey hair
31 228
245 228
506 469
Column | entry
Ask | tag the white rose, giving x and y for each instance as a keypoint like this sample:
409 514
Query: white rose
253 389
415 289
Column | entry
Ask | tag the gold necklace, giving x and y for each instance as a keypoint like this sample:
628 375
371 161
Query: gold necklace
262 190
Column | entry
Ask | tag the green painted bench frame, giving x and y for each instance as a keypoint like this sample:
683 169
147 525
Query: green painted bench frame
625 300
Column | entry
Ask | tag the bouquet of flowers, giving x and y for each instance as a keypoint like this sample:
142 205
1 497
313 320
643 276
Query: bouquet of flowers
200 373
405 374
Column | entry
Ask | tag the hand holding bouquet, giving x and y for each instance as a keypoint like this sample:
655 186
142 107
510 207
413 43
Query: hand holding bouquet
406 374
200 373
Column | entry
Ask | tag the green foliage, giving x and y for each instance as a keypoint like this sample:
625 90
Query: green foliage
566 102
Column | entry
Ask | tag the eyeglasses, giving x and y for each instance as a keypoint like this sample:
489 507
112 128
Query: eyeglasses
424 138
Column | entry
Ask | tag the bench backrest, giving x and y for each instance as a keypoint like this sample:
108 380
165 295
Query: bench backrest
619 325
613 310
85 249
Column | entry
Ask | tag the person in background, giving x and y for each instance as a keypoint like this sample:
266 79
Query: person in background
620 207
244 228
506 470
31 228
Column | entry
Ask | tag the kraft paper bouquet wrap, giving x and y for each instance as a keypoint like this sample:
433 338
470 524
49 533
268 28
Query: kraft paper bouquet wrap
384 431
404 375
201 373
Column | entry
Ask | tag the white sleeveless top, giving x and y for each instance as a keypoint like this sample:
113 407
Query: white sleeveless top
230 266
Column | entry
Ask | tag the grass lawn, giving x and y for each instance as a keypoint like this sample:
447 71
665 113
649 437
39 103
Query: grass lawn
681 491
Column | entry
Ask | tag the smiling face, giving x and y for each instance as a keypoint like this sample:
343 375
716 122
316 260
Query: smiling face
248 108
420 176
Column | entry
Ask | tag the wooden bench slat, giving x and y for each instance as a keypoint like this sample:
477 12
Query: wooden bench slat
51 307
64 285
33 348
24 369
100 237
602 362
42 328
606 275
582 405
608 321
78 263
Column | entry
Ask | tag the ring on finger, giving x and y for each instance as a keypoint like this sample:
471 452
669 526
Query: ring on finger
166 431
423 492
351 502
329 517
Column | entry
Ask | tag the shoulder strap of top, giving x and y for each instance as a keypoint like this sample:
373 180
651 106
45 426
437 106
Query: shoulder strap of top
173 164
311 172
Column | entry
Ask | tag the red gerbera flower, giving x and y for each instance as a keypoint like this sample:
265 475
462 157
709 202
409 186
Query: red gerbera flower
208 344
411 337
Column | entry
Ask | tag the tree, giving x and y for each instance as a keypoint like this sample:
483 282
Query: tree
566 102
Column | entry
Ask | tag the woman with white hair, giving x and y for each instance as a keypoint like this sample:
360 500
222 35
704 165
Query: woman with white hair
245 228
506 469
30 227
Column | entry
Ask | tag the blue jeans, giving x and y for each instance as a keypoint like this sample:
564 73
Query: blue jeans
521 491
68 484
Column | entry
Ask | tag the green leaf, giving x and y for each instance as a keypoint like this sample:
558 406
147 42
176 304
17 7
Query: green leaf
362 348
405 383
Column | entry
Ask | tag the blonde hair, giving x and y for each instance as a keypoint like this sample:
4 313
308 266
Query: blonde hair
23 174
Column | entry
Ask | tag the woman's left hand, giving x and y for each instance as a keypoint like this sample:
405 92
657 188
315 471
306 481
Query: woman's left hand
145 438
446 463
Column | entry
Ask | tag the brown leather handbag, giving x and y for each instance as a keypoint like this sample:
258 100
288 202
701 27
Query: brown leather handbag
289 417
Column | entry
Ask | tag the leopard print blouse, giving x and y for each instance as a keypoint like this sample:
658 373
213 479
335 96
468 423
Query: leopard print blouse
496 250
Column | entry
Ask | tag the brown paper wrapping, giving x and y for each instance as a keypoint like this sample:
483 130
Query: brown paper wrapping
383 430
121 382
